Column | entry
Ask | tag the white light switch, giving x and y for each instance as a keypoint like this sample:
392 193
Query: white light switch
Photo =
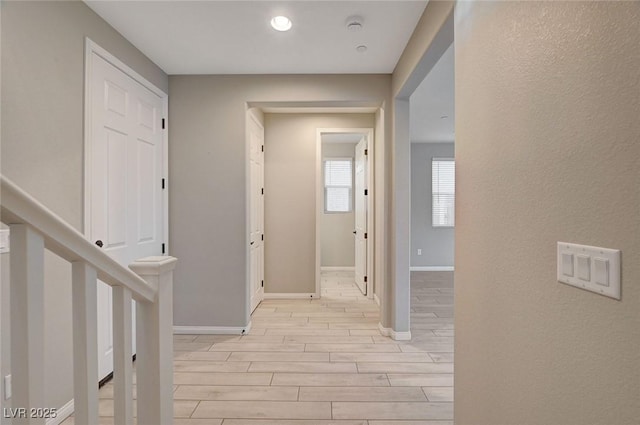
567 264
591 268
584 267
601 267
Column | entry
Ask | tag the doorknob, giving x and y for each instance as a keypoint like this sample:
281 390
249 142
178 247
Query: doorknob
99 243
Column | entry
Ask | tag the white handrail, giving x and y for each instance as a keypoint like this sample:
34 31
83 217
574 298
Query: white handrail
149 280
18 207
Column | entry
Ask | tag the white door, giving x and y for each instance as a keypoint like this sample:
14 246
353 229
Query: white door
125 162
255 132
361 215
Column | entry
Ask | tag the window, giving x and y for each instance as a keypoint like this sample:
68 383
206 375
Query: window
338 177
443 177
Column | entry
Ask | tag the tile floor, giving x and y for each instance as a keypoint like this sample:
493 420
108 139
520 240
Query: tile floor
320 362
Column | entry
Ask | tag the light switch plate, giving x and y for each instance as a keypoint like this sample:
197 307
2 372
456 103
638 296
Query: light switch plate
4 241
594 269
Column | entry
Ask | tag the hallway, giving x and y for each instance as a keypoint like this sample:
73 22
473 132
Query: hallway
320 362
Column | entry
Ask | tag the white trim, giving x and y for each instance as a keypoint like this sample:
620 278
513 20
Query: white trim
92 48
337 268
250 115
376 299
431 268
62 413
289 296
212 330
396 336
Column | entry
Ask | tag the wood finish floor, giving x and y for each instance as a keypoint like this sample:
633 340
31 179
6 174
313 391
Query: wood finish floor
320 362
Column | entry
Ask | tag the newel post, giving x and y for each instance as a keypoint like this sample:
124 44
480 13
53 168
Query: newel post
154 341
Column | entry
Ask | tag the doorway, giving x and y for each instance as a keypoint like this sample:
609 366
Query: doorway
345 208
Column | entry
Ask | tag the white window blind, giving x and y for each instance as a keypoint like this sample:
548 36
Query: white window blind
338 180
443 177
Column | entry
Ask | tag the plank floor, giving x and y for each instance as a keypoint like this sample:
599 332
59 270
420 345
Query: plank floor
320 362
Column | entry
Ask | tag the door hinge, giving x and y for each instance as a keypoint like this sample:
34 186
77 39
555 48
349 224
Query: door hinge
263 236
262 148
365 279
262 283
366 151
366 192
163 123
163 249
365 235
163 183
262 191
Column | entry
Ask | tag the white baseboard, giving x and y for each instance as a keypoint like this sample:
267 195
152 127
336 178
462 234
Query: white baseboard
396 336
337 269
62 413
431 268
376 299
289 296
211 330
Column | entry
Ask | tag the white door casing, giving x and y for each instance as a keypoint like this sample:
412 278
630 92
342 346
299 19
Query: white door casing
255 133
125 165
360 211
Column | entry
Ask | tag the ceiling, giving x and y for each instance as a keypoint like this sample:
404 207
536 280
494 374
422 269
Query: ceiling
432 100
235 37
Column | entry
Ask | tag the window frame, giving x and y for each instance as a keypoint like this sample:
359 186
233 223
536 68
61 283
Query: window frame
325 186
433 194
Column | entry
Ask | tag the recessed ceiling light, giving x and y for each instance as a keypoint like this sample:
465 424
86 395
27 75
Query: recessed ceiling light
281 23
361 48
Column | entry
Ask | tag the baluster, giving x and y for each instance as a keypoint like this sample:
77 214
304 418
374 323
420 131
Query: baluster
122 357
85 343
27 321
154 333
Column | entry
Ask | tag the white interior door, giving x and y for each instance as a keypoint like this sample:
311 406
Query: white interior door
361 215
255 133
125 164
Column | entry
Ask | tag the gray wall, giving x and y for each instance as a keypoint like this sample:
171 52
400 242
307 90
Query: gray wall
42 140
207 180
290 196
338 240
436 242
547 150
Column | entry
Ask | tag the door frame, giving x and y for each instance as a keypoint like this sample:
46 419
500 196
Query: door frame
370 202
250 115
92 48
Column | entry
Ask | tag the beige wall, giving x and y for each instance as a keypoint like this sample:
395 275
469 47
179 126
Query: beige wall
290 197
208 180
547 150
431 38
338 240
42 140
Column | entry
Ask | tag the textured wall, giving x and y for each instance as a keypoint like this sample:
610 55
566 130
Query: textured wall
436 242
547 150
42 139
